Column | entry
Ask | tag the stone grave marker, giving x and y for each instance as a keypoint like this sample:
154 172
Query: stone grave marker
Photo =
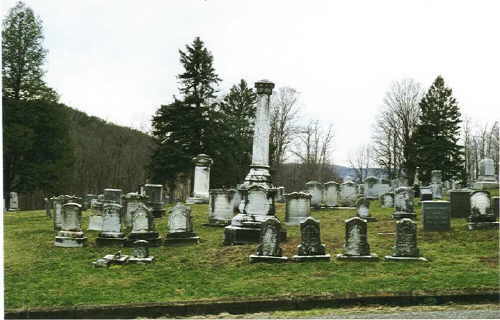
436 184
14 202
269 248
298 207
363 209
311 248
482 216
141 252
356 245
406 242
111 233
143 227
221 207
113 195
154 192
180 227
460 203
348 194
403 203
315 188
387 200
95 218
71 235
201 193
436 216
331 194
495 203
486 179
371 191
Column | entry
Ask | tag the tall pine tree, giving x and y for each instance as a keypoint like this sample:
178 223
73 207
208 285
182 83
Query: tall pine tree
438 134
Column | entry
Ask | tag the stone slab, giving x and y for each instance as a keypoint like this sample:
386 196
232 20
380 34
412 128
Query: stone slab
141 260
270 259
325 257
372 257
436 216
70 242
392 258
181 241
234 235
459 203
482 225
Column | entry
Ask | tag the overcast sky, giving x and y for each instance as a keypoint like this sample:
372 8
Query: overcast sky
118 59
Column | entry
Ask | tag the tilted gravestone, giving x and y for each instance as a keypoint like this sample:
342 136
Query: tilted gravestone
403 204
331 194
180 227
71 235
387 200
311 248
482 216
221 207
363 210
298 207
436 215
356 245
460 203
315 188
406 242
143 227
111 233
269 248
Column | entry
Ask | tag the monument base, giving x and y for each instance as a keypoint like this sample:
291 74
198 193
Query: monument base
181 239
70 240
141 260
401 215
393 258
234 235
196 200
153 238
270 259
217 223
485 185
483 225
325 257
372 257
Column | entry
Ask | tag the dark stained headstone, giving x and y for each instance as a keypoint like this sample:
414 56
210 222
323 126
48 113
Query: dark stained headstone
436 215
460 203
269 249
356 241
495 203
311 248
425 194
406 242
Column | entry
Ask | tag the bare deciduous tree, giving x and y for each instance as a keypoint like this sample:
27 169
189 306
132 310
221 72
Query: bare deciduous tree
393 138
360 161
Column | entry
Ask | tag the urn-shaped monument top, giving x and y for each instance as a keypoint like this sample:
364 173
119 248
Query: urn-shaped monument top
264 87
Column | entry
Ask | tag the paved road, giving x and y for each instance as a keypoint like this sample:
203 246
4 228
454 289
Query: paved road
453 314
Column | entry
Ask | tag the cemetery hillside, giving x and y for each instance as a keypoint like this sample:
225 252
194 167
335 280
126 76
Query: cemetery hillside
231 197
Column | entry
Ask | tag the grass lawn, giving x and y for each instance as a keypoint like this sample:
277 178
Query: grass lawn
38 274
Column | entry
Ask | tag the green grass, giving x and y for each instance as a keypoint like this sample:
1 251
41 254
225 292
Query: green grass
38 274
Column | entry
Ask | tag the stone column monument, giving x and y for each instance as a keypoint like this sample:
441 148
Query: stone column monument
202 164
487 179
258 198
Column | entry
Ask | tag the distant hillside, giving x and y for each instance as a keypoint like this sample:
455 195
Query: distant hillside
342 171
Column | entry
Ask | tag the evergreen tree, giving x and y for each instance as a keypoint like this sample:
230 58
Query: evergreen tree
23 56
438 133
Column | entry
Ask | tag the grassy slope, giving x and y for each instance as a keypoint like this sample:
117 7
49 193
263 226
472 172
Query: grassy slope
37 274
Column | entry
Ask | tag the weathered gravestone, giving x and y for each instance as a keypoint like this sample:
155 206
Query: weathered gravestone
269 248
331 194
460 203
132 201
180 227
482 216
111 233
382 187
221 207
141 252
370 184
403 203
363 209
95 218
495 203
14 202
436 184
143 227
71 235
356 245
238 196
202 164
113 195
406 242
86 201
298 207
154 192
58 203
311 248
486 179
387 200
436 215
315 188
348 194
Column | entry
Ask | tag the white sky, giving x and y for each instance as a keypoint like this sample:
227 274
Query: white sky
118 59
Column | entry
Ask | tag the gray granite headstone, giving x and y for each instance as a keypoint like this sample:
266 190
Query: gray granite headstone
406 242
311 248
436 215
460 203
269 248
298 207
356 240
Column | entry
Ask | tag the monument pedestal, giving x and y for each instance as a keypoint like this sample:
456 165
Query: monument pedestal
271 259
483 225
153 238
196 200
70 239
109 239
297 258
393 258
181 238
246 234
401 215
371 257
